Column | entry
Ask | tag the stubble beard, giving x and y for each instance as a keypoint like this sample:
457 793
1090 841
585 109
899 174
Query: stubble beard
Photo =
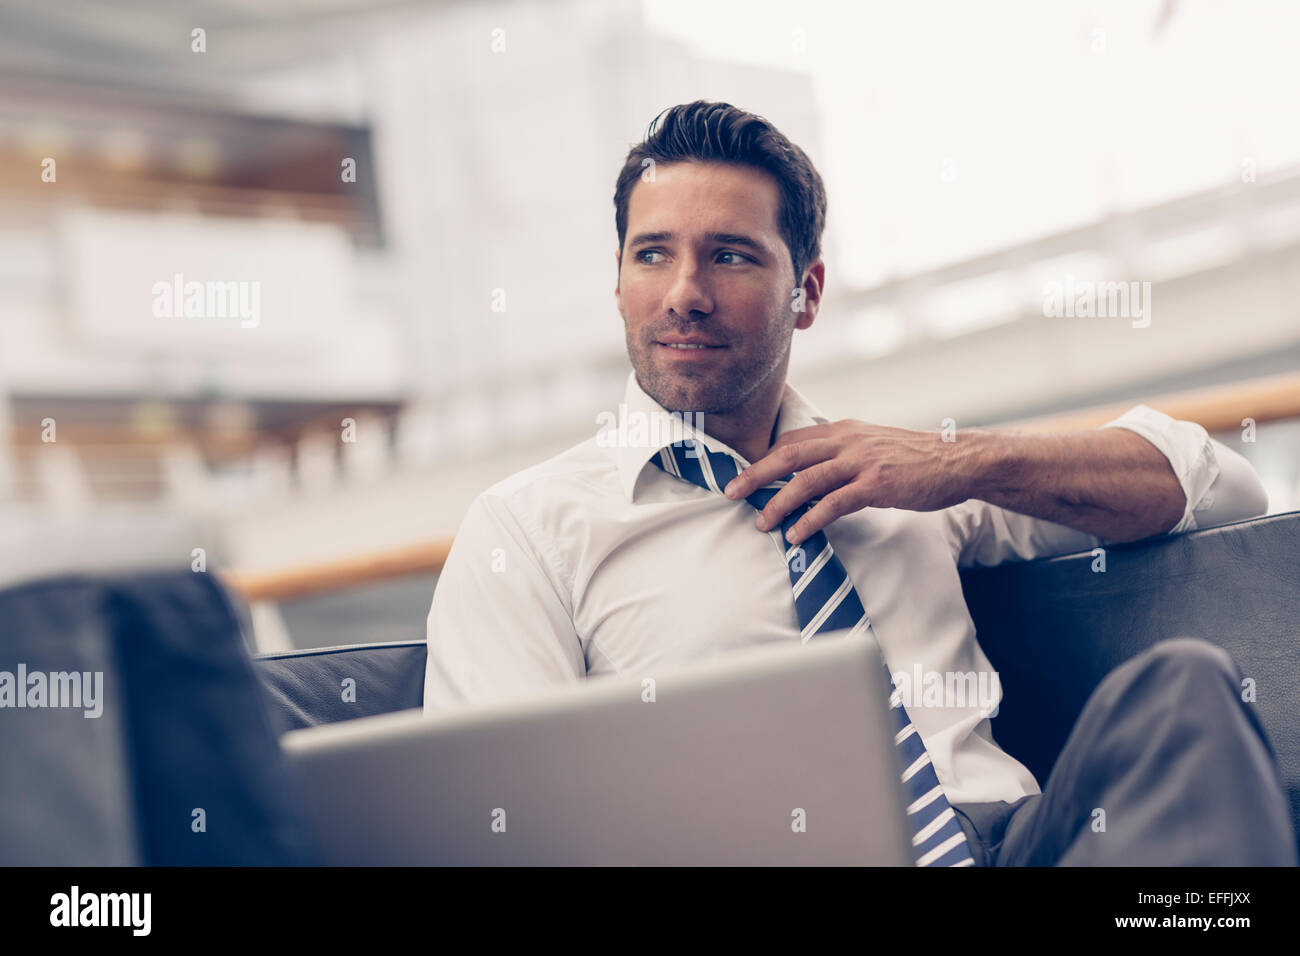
716 391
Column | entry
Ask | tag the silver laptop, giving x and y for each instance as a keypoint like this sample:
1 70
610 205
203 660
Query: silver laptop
768 756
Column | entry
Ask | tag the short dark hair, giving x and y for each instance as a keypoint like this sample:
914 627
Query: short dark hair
721 133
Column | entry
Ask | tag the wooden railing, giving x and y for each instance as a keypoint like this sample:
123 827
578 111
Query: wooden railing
1221 408
426 558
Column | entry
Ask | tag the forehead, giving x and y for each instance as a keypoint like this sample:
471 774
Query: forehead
690 196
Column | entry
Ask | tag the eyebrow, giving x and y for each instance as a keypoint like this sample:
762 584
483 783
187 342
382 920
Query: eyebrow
721 238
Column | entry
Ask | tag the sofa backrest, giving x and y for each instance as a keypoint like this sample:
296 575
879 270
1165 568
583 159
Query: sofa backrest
1052 628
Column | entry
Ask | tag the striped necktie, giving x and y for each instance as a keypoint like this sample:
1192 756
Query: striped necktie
825 600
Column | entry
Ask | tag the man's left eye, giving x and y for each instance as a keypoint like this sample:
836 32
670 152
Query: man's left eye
738 256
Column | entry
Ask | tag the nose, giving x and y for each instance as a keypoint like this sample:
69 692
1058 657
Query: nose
688 296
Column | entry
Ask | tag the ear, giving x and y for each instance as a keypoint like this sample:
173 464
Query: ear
618 281
813 283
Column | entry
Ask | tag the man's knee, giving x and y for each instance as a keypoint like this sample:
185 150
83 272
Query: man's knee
1192 669
1188 655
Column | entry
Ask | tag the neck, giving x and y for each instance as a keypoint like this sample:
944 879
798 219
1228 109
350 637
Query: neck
751 429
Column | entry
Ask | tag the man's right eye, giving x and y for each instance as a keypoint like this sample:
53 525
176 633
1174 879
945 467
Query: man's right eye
640 256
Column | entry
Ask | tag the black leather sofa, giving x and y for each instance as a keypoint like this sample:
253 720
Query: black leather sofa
182 767
1052 628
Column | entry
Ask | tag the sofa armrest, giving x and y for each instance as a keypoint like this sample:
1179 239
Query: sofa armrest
311 687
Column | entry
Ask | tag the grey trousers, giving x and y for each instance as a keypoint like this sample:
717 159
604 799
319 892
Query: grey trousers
1165 766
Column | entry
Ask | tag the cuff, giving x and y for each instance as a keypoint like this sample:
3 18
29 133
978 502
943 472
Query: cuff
1189 450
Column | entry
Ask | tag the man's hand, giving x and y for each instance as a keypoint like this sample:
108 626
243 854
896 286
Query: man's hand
852 465
1108 482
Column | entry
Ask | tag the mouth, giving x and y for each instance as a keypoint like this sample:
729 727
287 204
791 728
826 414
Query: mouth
687 343
688 351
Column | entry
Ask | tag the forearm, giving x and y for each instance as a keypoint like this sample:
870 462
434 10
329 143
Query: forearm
1108 482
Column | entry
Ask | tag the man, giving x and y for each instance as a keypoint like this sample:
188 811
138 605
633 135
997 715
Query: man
633 552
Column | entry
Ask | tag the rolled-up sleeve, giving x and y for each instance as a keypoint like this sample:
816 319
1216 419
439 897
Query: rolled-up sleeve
1218 483
500 623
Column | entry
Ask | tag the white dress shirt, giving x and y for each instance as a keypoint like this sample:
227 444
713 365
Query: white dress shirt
597 562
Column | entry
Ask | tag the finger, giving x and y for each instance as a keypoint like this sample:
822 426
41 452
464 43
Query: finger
832 506
778 463
808 484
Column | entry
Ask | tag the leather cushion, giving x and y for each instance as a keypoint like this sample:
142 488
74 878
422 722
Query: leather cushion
306 687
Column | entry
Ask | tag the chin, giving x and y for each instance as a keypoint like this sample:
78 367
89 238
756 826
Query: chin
679 392
700 396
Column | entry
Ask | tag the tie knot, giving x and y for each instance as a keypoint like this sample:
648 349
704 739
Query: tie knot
691 461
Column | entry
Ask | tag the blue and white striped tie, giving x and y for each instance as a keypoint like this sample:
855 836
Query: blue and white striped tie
825 600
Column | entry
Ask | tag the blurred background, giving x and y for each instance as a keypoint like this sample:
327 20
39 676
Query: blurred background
401 218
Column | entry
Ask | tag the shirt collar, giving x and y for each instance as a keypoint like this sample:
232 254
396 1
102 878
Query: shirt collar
643 426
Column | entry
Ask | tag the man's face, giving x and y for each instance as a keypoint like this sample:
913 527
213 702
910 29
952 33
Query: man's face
704 264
